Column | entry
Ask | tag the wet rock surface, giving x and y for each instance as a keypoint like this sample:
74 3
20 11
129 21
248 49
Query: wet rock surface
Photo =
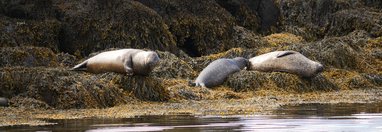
40 40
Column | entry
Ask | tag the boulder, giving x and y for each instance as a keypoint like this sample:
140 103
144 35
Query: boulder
200 27
24 32
89 26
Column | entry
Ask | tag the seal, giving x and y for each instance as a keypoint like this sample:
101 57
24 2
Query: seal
129 61
4 102
217 71
286 61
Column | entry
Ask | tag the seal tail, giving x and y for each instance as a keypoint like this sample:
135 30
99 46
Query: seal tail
191 84
80 67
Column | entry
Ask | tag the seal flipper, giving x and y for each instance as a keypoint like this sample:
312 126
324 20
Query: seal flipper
80 67
285 53
191 84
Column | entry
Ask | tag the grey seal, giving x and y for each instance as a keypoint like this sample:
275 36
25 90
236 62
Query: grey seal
286 61
217 71
129 61
4 102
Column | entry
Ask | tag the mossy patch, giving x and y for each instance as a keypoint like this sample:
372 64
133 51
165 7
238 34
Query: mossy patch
283 39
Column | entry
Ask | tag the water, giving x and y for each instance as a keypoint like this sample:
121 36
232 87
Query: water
308 117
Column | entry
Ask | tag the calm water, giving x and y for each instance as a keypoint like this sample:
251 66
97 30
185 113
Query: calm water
309 117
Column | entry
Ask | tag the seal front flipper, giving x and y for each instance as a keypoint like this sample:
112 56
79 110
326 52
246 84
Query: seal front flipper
80 67
128 66
191 84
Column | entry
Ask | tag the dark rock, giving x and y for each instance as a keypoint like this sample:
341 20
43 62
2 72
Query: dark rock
94 25
346 21
27 57
27 9
313 19
200 27
245 16
66 60
245 38
170 66
20 32
145 87
376 79
373 3
259 15
60 88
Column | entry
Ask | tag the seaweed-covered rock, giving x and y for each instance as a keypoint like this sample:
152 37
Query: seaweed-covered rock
60 88
245 38
23 32
145 87
283 39
346 79
350 52
29 103
66 60
254 80
27 57
170 66
313 19
259 15
346 21
374 3
94 25
200 27
27 9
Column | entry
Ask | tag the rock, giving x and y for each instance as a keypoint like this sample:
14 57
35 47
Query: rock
245 38
145 87
94 25
170 66
315 19
346 79
254 80
259 16
200 27
346 21
28 9
28 103
374 3
23 32
60 88
27 57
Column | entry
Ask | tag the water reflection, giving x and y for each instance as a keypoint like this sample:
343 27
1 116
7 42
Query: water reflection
309 117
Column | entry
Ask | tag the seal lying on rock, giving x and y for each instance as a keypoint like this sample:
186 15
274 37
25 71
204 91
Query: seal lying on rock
130 61
217 71
3 102
286 61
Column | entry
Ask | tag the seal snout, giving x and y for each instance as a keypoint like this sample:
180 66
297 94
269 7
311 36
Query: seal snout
319 69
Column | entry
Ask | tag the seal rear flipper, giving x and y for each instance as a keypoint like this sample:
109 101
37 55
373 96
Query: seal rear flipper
80 67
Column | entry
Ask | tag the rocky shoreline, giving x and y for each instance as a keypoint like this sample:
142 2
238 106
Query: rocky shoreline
42 39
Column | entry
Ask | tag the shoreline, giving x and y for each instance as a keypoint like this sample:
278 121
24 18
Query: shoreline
262 102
